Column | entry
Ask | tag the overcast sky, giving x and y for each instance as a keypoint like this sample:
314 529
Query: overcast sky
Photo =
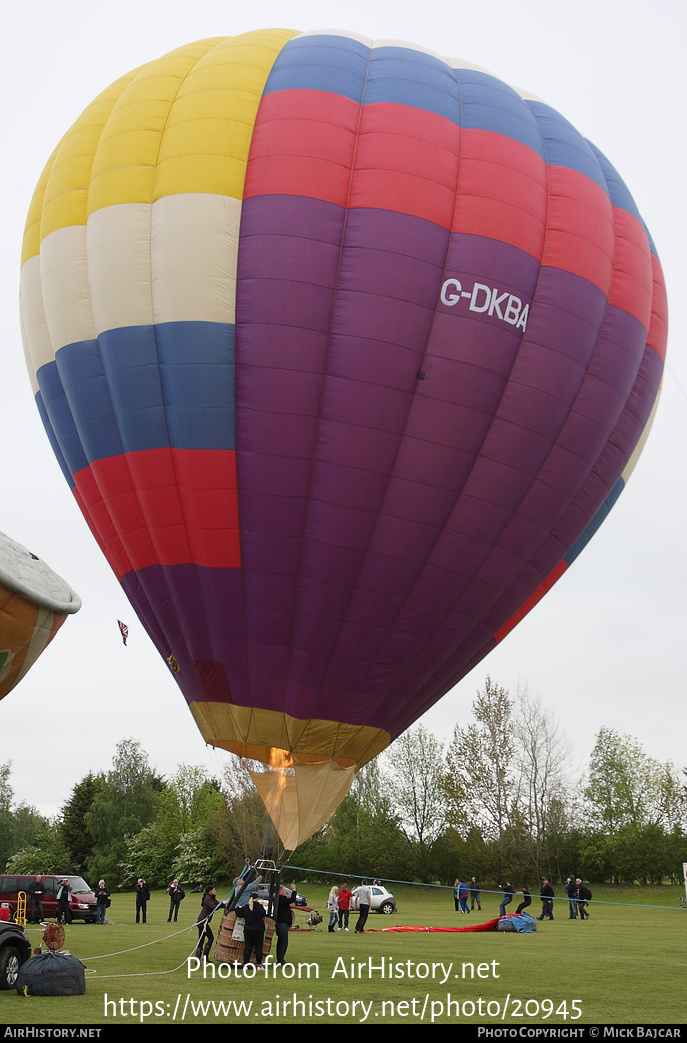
605 647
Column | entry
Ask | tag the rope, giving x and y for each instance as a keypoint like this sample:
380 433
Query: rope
156 941
482 891
134 948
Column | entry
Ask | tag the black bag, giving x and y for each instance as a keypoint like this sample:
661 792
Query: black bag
52 974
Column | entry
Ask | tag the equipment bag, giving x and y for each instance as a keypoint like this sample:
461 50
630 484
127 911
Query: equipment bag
52 974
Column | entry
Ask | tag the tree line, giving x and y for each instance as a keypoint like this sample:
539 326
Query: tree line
498 804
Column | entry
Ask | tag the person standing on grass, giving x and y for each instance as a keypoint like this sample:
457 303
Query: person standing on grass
345 896
571 891
205 935
463 896
63 895
142 899
102 894
35 891
176 896
583 895
547 895
253 916
284 920
333 909
364 902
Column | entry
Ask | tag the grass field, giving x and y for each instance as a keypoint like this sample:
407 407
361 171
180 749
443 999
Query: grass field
624 965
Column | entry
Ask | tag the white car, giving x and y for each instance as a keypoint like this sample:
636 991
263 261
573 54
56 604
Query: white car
382 900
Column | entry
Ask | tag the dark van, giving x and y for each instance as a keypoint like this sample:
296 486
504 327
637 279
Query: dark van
82 904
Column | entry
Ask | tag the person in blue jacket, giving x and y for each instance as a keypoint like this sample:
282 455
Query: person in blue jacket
463 896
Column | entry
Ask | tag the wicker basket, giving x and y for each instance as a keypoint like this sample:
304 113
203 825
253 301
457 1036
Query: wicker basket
229 944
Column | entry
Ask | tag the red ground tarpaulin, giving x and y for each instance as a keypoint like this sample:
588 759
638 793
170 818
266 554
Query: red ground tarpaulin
490 925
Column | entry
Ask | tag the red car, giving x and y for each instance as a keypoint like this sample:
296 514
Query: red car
81 902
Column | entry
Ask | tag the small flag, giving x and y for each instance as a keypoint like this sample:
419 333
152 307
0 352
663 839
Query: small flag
123 630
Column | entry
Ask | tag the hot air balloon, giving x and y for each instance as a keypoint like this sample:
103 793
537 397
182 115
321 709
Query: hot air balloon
34 603
345 350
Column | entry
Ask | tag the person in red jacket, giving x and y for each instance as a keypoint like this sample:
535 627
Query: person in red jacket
344 906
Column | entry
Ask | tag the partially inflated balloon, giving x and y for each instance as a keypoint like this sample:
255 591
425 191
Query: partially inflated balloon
345 350
34 603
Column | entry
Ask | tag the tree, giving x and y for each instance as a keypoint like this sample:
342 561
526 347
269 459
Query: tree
144 856
126 801
46 852
27 826
20 826
671 805
197 796
77 838
479 783
6 796
541 755
198 859
415 770
186 809
639 854
363 837
238 827
370 786
595 856
625 787
188 801
637 809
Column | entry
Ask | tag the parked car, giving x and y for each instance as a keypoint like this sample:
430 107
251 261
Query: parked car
382 900
15 949
262 893
81 903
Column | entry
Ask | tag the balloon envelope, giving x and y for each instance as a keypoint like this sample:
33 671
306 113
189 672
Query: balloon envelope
34 603
345 350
